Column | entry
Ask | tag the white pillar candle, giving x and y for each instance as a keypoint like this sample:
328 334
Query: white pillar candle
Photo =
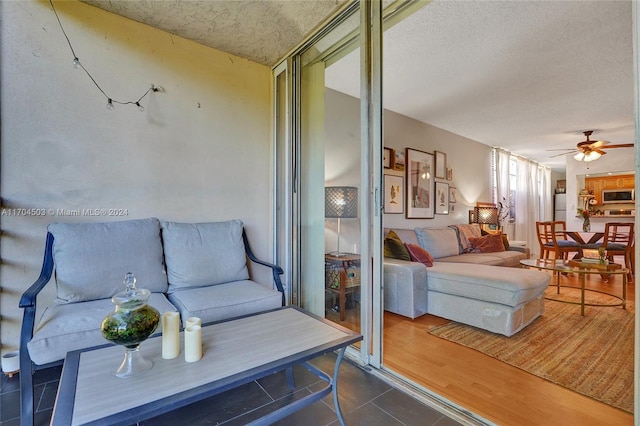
193 321
192 343
170 335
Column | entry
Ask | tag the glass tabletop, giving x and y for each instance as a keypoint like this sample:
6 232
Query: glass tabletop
574 266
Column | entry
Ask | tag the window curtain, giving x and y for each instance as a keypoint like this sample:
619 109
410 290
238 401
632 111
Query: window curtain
532 195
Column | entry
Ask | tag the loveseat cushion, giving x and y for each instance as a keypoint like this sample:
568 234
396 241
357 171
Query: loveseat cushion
439 242
71 326
91 259
225 301
204 254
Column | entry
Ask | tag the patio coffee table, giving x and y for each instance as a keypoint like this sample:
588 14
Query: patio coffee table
235 352
582 269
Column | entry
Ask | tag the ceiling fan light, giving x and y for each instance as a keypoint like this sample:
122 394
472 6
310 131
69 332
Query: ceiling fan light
579 156
593 155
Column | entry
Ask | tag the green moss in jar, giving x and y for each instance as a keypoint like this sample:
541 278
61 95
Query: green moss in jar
130 327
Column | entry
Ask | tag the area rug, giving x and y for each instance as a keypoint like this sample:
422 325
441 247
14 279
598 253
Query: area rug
591 355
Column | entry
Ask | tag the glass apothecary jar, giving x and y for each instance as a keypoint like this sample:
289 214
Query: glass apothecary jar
131 323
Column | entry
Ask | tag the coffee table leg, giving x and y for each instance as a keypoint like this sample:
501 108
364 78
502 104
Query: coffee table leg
336 403
582 285
624 291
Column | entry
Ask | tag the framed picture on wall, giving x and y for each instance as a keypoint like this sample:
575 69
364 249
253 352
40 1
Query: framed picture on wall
442 198
398 160
420 184
393 194
441 164
452 208
452 194
387 158
449 173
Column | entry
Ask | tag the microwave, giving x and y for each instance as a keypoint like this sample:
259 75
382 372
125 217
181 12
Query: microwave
611 196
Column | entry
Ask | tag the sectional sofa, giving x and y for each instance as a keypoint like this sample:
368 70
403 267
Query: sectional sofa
482 288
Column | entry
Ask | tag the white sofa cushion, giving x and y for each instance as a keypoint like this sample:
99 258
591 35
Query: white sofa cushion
439 242
224 301
204 254
91 259
487 283
73 326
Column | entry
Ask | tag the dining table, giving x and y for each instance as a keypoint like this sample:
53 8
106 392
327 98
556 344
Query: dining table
579 237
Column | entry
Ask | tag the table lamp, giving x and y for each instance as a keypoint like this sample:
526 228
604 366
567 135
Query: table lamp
340 202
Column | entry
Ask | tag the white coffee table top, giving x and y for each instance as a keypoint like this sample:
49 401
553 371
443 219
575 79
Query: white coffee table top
231 350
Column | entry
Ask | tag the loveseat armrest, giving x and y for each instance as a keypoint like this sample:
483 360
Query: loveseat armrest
275 269
29 296
28 303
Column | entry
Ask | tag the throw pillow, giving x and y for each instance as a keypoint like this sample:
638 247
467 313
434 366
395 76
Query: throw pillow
395 248
418 254
487 244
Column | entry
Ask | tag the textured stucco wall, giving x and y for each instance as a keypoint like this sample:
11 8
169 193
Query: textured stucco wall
201 150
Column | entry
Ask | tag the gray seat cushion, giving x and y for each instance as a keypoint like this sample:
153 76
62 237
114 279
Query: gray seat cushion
225 301
203 254
72 326
487 283
91 259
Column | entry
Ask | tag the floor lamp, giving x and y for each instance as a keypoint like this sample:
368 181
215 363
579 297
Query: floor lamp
340 202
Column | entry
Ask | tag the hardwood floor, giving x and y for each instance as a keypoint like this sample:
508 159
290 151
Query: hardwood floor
496 391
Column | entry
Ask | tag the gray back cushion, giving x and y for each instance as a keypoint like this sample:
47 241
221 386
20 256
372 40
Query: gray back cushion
439 242
203 254
91 259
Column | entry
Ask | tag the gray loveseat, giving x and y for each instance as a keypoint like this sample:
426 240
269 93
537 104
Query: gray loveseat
472 288
197 269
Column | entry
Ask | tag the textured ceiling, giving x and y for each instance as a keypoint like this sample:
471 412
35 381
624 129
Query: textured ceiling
524 75
260 30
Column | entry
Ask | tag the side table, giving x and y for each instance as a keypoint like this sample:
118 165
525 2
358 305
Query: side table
342 276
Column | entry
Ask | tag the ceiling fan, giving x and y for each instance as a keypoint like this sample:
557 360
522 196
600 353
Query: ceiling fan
589 150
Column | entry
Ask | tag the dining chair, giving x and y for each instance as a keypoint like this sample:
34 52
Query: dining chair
553 238
619 241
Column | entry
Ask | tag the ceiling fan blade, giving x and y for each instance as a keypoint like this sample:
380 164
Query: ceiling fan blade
599 151
620 145
561 149
564 153
598 144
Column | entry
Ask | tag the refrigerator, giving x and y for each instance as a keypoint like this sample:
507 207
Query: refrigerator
560 207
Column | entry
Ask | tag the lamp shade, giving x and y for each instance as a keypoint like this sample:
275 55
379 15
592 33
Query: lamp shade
486 215
340 202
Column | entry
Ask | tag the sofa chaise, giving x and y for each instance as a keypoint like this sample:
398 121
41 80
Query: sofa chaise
484 289
197 269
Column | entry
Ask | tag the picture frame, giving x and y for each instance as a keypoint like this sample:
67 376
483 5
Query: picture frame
420 184
398 160
452 194
441 203
393 194
452 208
387 158
441 164
449 173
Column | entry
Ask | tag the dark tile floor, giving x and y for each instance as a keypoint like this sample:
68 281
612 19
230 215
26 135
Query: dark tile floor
364 399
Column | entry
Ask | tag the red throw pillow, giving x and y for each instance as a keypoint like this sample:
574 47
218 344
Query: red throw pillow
487 244
418 254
